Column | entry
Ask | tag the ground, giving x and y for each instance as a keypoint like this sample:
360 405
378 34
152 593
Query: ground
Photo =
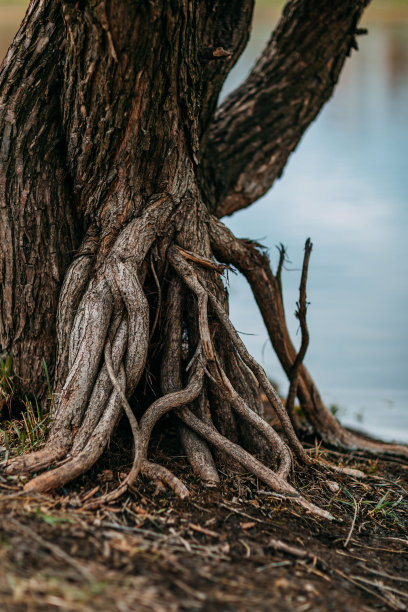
236 547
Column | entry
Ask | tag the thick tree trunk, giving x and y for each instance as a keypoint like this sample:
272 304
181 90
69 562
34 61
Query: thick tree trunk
68 96
39 231
111 160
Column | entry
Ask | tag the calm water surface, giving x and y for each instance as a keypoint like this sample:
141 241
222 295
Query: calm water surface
346 187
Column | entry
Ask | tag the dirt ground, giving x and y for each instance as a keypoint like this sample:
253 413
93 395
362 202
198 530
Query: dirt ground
235 547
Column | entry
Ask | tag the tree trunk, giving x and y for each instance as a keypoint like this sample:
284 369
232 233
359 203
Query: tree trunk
111 153
39 228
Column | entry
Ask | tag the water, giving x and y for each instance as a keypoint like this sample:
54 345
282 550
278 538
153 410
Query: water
346 187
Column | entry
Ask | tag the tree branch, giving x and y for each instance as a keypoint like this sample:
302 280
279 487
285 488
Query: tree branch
257 127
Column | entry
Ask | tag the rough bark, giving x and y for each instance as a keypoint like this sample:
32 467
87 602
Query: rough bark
259 125
38 225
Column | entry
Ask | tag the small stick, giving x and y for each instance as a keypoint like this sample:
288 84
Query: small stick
203 261
282 257
295 551
356 506
301 315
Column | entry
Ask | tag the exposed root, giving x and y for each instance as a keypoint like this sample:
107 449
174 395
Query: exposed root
72 291
137 441
276 443
162 474
112 291
40 460
102 390
247 257
199 456
86 347
277 483
197 451
208 378
191 279
77 465
159 296
169 402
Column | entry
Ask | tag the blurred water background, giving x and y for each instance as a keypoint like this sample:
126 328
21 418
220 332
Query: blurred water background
346 187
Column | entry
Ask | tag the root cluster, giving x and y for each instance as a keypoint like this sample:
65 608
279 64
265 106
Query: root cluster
213 385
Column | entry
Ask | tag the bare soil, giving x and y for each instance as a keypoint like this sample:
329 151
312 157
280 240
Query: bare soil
235 547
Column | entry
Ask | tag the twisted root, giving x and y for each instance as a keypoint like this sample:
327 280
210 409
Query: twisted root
109 340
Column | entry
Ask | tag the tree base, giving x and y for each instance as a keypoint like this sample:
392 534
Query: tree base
207 377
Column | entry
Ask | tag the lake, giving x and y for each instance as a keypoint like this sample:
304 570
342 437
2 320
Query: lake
346 187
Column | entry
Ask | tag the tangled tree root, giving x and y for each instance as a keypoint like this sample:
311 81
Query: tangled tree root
208 378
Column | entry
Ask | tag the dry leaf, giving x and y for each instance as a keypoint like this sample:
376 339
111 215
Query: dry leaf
248 525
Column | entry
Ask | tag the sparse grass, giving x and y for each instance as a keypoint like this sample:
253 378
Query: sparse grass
53 519
380 511
372 466
28 433
385 506
6 378
19 436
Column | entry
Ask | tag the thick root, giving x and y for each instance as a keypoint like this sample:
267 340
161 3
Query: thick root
199 456
254 466
197 451
162 475
208 379
33 462
192 280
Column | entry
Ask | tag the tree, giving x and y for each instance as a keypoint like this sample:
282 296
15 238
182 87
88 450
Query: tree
116 166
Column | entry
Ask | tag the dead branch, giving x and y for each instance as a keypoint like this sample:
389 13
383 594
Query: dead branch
301 315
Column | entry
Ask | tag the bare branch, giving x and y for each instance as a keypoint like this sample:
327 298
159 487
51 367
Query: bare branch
301 315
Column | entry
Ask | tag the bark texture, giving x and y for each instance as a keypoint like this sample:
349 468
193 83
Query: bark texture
38 223
259 125
115 167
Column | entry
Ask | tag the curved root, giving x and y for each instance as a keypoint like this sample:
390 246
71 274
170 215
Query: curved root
161 474
137 441
248 258
116 285
277 483
107 353
189 276
198 453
